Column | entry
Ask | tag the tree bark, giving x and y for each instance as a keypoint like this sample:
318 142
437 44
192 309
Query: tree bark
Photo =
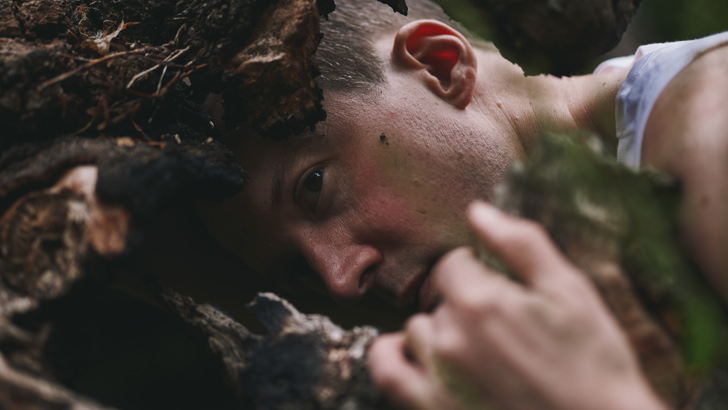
303 361
102 127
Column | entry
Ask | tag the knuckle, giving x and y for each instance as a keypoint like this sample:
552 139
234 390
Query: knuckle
451 347
577 288
576 322
569 320
579 283
477 306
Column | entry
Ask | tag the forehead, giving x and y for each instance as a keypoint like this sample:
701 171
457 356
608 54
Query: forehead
254 151
346 113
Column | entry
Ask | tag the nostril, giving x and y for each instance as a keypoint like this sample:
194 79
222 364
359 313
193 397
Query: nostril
366 279
348 271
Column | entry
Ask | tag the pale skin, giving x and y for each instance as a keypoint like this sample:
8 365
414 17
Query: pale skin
370 214
388 209
486 326
546 344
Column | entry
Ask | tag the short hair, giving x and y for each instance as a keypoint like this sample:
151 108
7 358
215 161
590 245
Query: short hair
346 57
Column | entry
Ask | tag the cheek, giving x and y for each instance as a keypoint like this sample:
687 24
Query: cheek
408 206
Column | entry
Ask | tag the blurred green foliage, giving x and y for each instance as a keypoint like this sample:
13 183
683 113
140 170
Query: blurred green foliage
563 175
672 20
473 18
656 20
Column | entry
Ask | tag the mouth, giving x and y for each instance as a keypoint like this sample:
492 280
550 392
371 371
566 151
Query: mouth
421 292
427 296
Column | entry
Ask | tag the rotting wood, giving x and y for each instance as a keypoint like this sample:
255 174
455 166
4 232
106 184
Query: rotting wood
115 89
252 51
302 362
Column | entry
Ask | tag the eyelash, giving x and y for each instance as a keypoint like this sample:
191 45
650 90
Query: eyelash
301 190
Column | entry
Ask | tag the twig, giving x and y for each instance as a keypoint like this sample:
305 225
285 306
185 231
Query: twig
176 37
173 65
138 128
105 112
68 74
93 119
169 58
177 78
140 75
176 54
151 118
161 78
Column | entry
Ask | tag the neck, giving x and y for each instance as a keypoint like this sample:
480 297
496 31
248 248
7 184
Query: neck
534 105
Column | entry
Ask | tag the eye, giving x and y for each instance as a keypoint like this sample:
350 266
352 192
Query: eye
311 190
315 181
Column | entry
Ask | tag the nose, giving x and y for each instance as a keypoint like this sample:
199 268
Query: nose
347 269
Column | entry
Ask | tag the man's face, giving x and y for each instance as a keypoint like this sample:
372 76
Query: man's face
372 198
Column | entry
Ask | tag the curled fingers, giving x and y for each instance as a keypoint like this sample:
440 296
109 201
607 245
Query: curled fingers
400 380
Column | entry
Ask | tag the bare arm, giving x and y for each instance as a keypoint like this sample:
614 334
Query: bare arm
687 136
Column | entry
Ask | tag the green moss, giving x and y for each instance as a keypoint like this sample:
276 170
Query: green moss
589 202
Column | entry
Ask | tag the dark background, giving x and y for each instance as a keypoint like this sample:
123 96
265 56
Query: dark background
657 21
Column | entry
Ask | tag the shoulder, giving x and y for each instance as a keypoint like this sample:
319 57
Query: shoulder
690 116
687 136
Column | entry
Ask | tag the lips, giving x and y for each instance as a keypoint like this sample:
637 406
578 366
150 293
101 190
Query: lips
419 293
427 296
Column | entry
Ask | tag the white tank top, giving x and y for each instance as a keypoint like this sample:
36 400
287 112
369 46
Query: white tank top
653 67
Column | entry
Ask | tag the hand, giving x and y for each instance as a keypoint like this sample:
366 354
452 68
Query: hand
547 344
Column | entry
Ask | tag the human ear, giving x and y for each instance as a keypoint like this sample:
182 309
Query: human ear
443 56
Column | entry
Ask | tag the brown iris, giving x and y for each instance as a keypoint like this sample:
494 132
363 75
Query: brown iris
314 182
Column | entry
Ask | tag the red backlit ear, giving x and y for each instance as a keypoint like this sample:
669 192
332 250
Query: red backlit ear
444 57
